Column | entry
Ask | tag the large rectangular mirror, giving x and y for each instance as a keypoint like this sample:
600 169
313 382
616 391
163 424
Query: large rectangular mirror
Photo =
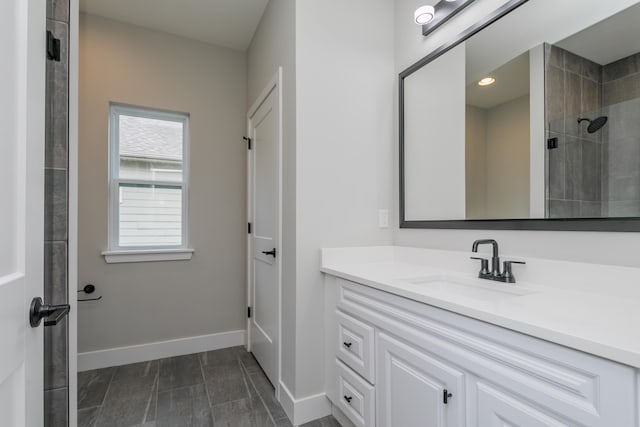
529 120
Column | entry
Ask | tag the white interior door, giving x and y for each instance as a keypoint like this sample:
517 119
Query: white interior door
265 202
22 103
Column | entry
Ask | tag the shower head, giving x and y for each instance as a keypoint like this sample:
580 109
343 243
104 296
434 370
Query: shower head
596 124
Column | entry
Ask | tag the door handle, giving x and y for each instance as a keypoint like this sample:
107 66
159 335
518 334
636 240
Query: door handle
272 252
51 313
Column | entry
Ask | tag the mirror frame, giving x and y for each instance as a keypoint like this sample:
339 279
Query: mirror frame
621 224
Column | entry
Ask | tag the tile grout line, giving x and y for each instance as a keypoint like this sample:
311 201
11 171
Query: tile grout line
155 414
156 380
206 389
113 374
247 377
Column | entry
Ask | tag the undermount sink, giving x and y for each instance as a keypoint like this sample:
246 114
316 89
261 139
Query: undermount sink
443 285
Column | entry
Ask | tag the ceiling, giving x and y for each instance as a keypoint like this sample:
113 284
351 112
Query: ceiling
512 81
227 23
607 41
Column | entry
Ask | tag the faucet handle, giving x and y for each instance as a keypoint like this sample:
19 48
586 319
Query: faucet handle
484 264
508 273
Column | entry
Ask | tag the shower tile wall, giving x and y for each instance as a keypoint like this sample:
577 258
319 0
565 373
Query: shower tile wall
574 89
56 398
592 175
621 94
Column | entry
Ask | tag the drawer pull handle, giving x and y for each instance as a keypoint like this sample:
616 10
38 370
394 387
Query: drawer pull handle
347 344
446 396
348 399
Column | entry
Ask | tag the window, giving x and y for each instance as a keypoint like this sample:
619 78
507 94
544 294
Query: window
148 176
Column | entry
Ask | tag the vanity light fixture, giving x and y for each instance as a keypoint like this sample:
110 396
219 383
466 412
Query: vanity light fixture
487 81
442 12
424 14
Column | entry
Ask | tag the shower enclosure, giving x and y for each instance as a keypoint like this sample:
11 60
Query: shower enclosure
593 136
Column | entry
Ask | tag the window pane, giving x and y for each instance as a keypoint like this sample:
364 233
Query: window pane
150 215
150 149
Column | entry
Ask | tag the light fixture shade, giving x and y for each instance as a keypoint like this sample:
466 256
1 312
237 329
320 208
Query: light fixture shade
424 14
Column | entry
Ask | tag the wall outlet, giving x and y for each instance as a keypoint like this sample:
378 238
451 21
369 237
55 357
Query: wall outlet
383 218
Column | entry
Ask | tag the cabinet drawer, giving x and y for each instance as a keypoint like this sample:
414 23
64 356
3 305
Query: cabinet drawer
356 397
356 345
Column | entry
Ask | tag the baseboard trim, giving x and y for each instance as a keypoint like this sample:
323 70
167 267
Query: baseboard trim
306 409
158 350
287 401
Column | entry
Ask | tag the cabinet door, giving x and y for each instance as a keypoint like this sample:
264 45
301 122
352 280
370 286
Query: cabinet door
498 408
412 386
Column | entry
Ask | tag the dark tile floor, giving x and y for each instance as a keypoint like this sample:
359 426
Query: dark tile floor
222 388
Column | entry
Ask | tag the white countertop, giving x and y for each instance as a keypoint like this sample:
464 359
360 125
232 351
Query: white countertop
600 314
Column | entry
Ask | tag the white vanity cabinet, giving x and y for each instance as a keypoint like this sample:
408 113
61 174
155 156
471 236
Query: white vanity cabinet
395 362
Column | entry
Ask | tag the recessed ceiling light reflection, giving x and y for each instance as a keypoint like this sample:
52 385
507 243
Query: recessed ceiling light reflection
487 81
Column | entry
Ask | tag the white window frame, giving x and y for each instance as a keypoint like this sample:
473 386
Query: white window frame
116 253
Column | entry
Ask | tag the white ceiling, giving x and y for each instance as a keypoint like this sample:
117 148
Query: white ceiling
512 81
227 23
610 40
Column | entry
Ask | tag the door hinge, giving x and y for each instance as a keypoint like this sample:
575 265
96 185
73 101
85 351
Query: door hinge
249 312
248 142
249 227
446 396
552 143
53 47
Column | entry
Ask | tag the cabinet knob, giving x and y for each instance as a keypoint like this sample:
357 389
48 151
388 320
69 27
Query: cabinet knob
348 398
347 344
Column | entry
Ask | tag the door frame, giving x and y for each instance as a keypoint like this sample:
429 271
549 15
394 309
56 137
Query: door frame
274 85
31 91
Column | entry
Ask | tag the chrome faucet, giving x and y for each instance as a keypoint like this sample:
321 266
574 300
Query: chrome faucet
495 274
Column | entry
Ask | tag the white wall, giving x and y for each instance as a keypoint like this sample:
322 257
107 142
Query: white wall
344 99
147 302
273 46
434 156
595 247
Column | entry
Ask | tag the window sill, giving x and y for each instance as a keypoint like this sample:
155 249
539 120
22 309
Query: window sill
147 255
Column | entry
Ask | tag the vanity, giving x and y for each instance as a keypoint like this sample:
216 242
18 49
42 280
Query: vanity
414 338
526 120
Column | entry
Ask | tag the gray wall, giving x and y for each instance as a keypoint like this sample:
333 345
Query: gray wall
508 159
497 160
476 162
157 301
56 381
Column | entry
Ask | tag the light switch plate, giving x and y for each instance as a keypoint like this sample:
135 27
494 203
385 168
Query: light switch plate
383 218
